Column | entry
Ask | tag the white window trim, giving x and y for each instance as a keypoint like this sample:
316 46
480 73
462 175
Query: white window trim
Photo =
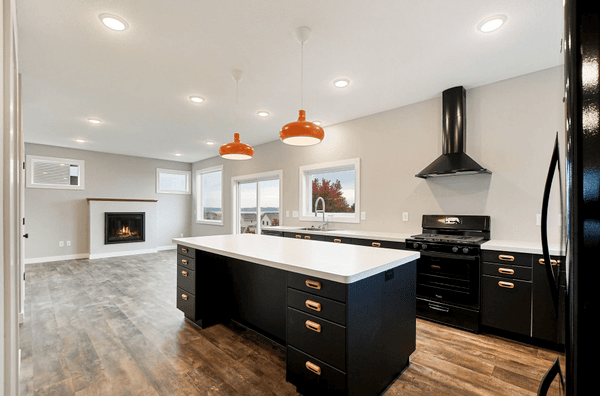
256 177
305 211
188 182
29 173
199 206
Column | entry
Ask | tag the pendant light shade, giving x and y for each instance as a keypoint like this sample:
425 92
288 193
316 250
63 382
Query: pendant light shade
302 132
236 150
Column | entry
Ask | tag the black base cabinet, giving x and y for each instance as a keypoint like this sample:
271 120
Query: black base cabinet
342 339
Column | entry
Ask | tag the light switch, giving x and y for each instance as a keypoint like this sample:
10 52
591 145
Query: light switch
287 213
363 215
404 216
61 243
295 213
538 219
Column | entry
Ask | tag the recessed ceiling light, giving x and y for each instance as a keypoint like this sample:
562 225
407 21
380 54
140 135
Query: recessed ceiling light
196 99
341 82
80 140
94 121
113 22
263 113
178 154
490 24
317 122
210 143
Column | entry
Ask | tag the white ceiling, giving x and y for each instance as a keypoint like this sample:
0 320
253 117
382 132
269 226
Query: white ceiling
138 81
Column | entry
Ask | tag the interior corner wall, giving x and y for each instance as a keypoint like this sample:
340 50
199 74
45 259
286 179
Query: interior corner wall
510 130
62 215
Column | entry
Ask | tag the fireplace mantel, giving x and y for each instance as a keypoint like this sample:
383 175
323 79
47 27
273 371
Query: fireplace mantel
122 199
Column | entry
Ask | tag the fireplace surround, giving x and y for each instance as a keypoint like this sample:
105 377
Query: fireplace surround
124 227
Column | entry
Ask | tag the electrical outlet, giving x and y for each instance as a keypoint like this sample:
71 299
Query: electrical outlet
404 216
295 213
363 215
68 243
61 243
287 213
538 219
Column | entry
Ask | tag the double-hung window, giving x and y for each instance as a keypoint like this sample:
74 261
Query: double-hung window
338 183
209 195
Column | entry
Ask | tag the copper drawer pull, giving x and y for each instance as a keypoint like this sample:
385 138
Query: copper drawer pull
184 296
306 236
313 326
313 305
337 240
376 244
184 250
553 262
314 368
299 236
506 257
184 262
506 271
508 285
435 266
313 284
184 273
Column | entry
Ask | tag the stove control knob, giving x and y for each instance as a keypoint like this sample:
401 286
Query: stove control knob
455 249
465 250
424 247
415 245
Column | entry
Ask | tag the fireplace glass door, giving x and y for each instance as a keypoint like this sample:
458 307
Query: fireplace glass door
124 227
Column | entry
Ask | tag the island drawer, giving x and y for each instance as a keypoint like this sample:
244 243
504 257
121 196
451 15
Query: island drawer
186 251
507 271
512 258
318 337
186 303
317 286
317 306
186 262
186 279
379 243
313 376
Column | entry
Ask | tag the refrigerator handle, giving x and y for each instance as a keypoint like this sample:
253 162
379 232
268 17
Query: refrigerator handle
552 281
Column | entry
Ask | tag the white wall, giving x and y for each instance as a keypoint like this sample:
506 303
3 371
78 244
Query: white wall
62 215
510 131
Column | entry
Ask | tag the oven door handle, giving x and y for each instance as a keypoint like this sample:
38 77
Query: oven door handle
448 256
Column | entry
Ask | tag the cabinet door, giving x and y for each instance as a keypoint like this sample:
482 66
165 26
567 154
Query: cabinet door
506 304
545 323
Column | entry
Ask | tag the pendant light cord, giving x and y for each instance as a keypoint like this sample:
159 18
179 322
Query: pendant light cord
236 105
302 76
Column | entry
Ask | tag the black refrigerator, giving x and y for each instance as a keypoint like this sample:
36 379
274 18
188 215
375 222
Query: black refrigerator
581 199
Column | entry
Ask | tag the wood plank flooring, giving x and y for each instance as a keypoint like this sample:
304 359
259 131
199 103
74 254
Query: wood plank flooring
110 327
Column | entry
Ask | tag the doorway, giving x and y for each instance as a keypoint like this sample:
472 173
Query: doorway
256 202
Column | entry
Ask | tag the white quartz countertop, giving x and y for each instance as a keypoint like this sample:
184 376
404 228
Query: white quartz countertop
383 236
333 261
521 247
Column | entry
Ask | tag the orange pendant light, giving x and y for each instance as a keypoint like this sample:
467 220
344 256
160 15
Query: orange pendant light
302 132
236 150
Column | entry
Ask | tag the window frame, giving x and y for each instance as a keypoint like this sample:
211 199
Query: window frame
305 203
188 182
29 173
199 203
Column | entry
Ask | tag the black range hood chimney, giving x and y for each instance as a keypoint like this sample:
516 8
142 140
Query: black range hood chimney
453 161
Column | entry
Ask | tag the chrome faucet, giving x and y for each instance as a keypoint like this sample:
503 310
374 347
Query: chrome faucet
323 225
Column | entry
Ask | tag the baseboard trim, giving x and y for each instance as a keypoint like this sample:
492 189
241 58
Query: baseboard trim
167 247
123 253
57 258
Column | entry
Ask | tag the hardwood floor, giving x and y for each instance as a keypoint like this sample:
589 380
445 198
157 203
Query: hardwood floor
110 327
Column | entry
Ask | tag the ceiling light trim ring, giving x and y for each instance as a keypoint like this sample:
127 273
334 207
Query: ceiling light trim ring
503 18
117 18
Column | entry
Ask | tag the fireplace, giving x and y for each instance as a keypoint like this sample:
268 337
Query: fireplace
124 227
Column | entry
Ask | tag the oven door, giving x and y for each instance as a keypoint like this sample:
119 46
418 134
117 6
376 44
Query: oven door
448 278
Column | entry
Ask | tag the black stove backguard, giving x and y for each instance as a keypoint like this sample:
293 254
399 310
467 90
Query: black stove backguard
124 227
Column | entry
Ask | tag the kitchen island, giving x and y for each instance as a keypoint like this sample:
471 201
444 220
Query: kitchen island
345 313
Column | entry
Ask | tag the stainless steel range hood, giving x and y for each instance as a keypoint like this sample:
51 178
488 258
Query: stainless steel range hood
453 161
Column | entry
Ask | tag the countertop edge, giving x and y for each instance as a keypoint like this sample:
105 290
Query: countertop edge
346 233
521 247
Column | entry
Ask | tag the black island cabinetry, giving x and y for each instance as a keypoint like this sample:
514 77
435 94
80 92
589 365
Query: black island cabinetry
349 339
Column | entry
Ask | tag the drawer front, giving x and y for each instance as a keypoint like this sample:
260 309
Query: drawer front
337 239
325 308
317 337
272 233
507 271
496 256
379 243
538 259
186 261
186 302
186 279
300 235
186 251
448 314
317 286
327 380
506 308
